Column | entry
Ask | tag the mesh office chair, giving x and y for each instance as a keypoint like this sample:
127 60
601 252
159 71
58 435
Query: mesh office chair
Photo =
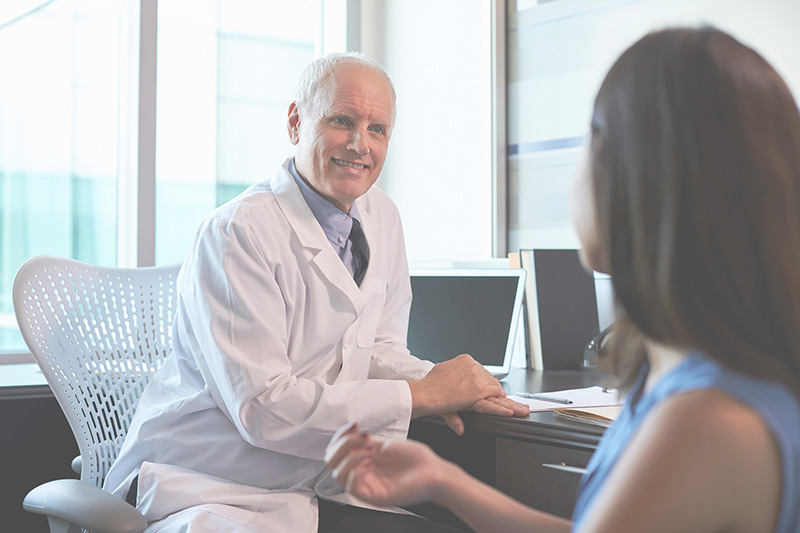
98 334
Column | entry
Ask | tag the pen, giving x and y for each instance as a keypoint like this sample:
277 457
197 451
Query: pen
544 397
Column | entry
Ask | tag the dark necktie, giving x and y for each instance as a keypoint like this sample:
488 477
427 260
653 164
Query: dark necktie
360 251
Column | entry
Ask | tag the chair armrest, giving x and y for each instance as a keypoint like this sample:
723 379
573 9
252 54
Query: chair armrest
77 464
85 505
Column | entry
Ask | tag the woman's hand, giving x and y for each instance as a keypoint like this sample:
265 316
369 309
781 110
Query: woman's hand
394 472
385 472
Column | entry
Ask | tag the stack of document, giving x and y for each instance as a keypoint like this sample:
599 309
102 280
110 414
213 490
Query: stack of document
593 416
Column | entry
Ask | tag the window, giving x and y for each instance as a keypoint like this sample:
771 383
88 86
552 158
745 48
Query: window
226 75
226 72
59 107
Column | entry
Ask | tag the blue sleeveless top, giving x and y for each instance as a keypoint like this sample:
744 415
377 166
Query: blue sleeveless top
774 403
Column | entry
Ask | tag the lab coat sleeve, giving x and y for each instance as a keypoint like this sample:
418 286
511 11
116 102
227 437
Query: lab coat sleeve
391 358
238 317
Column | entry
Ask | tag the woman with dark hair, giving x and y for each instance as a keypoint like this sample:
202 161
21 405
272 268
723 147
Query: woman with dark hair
690 199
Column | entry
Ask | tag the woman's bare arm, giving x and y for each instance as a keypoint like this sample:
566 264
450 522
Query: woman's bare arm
388 472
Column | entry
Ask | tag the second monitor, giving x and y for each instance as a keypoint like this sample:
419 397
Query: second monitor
474 311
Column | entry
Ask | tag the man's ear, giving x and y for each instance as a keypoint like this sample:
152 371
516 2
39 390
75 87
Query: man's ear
293 123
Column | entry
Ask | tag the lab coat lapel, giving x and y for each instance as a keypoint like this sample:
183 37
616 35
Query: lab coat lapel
312 238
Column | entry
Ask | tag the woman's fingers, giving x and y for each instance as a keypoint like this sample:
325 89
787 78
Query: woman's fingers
345 439
382 471
343 470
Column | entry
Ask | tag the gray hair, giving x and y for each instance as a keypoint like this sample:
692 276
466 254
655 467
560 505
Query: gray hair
322 68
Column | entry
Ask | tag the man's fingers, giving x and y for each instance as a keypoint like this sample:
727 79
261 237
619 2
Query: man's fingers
519 409
500 407
488 407
454 422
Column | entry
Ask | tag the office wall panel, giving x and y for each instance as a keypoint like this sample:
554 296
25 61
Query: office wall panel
558 54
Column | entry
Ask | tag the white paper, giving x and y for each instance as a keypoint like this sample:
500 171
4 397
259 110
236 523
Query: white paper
588 397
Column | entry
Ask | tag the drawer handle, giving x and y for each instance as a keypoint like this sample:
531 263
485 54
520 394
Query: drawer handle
565 468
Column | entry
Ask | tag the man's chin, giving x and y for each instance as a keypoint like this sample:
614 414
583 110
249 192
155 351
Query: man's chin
352 190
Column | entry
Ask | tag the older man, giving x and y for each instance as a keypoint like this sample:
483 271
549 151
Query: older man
293 310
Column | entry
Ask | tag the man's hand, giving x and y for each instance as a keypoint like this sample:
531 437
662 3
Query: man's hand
458 384
491 406
451 386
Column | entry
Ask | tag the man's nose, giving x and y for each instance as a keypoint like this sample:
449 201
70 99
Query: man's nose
358 141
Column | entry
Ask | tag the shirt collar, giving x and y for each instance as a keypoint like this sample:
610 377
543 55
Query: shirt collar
335 223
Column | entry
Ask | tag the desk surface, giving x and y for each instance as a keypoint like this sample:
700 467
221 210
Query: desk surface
539 427
25 380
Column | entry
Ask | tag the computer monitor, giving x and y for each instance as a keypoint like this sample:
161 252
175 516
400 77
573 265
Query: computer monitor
474 311
562 308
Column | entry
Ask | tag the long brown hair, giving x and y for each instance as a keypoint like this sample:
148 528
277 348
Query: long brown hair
696 163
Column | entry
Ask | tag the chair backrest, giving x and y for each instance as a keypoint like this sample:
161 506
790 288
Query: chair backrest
98 334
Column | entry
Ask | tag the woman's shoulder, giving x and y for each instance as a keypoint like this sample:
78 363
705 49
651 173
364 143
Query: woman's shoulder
701 458
714 418
732 437
699 372
751 423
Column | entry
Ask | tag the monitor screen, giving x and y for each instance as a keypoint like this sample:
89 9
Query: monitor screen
566 303
463 311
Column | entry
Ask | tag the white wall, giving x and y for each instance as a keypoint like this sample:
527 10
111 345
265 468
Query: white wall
558 54
438 171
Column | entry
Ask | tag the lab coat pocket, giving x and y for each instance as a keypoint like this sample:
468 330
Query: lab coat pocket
374 291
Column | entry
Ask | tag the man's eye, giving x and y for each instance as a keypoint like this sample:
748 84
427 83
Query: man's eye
379 129
340 120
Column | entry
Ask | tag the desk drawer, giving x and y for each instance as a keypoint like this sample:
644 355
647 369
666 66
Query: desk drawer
541 476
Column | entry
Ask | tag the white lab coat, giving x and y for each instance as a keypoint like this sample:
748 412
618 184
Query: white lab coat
274 348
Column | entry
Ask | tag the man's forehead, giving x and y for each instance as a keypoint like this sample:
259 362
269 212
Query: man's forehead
347 105
352 84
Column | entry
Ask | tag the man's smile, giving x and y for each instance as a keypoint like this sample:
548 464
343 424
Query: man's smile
350 164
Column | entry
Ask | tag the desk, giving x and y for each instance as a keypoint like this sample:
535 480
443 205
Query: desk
508 453
511 453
